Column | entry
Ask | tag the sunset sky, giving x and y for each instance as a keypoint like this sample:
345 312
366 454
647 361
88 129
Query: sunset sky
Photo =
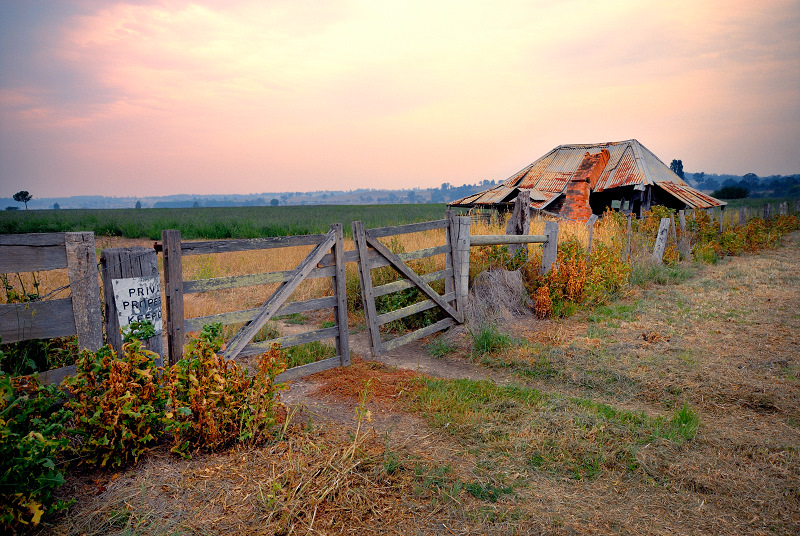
237 96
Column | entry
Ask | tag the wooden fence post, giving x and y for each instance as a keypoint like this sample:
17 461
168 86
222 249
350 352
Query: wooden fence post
173 281
520 222
127 263
85 290
340 291
453 259
550 248
661 240
365 280
783 208
683 242
767 211
742 216
721 218
590 224
462 246
628 237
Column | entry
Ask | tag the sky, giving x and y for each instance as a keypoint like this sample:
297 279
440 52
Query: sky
143 98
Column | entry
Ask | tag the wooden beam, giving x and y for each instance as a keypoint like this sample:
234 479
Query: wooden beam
173 281
365 282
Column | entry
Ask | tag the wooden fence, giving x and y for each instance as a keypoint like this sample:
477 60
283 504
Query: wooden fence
78 314
326 260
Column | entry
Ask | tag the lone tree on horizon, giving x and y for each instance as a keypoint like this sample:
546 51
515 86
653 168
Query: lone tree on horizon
23 197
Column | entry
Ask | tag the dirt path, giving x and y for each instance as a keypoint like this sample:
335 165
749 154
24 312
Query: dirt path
726 341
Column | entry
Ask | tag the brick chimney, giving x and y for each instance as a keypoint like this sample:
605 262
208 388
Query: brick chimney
576 205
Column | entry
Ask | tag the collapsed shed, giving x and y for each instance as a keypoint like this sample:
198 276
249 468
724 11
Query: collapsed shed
576 181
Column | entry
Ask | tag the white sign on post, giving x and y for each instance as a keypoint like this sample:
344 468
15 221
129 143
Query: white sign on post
138 299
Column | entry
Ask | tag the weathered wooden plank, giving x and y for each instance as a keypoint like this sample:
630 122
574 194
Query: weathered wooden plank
378 261
380 232
308 369
628 237
550 250
288 341
365 282
462 245
33 239
239 317
491 240
401 267
520 221
329 260
767 211
173 281
32 252
123 263
783 208
56 376
453 264
742 216
248 280
661 240
590 225
403 312
340 294
85 290
247 244
36 320
420 333
403 284
269 308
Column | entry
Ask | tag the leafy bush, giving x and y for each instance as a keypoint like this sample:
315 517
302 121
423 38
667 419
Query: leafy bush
31 426
117 402
214 401
579 278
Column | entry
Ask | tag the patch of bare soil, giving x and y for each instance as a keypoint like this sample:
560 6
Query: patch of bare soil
358 457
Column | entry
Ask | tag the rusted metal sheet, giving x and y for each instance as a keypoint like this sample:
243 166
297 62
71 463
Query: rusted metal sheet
693 198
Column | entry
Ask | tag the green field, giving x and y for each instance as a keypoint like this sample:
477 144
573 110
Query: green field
215 223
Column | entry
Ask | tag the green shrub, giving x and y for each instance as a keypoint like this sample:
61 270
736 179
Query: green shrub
117 401
31 438
214 402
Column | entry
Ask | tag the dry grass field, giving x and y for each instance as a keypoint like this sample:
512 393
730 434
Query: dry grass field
673 410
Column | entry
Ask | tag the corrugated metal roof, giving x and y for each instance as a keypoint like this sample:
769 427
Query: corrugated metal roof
693 198
630 164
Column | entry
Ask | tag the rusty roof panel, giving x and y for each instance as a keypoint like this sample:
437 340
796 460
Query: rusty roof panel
621 170
693 198
494 195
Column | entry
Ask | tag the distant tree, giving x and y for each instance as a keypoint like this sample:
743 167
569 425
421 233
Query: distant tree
677 167
56 206
196 204
274 202
699 177
12 208
731 192
23 197
138 204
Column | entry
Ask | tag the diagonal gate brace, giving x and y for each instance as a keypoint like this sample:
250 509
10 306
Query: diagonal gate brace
271 306
401 267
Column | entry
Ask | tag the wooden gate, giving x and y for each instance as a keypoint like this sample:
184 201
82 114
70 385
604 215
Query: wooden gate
325 260
373 254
